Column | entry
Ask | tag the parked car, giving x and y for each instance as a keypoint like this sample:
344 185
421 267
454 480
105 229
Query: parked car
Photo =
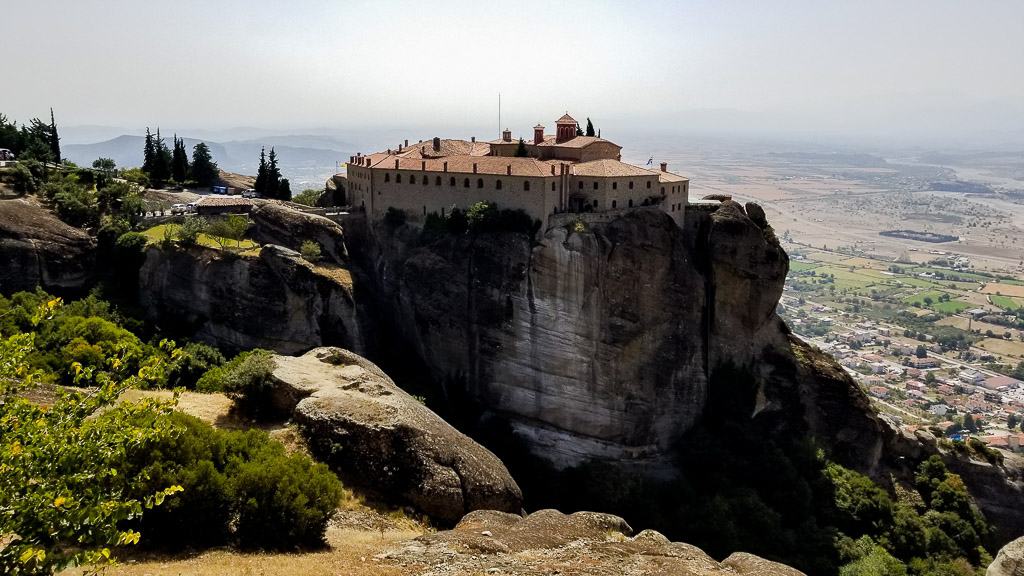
178 209
249 193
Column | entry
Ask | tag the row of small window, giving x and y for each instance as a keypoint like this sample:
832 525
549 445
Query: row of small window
615 185
677 207
451 181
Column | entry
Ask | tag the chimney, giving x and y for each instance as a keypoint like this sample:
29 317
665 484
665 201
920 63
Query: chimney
508 170
538 134
351 159
664 166
396 163
506 136
423 165
423 149
406 142
472 138
389 151
474 167
399 147
445 165
437 144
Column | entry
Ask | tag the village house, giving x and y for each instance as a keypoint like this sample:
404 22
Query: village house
544 175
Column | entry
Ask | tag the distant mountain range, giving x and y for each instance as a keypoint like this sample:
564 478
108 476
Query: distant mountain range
307 160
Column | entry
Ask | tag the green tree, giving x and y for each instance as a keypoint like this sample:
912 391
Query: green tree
179 161
308 197
107 165
310 251
261 175
204 169
189 231
969 424
62 493
231 227
161 161
921 351
1012 421
53 139
590 128
22 180
284 191
521 149
136 176
148 155
273 175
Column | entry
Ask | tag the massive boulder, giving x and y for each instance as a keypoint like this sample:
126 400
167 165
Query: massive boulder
277 223
1009 561
37 249
549 542
275 300
385 441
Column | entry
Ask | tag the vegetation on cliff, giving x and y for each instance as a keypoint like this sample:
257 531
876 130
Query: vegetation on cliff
83 471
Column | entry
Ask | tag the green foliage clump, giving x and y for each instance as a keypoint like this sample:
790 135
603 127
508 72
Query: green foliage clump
238 487
189 231
480 218
310 251
246 377
308 197
394 217
23 181
136 176
190 363
230 227
64 491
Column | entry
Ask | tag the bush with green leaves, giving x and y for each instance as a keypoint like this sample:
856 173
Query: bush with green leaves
64 493
189 230
230 227
22 180
246 377
394 217
310 251
190 363
308 197
238 487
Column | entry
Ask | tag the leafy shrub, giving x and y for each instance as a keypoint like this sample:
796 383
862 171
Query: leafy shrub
246 378
238 486
310 251
189 231
136 176
23 181
394 217
308 197
190 363
284 501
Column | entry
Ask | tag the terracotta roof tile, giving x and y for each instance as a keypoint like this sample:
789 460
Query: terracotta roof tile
463 164
607 168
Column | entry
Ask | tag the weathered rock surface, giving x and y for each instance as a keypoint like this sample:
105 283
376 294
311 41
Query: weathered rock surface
378 437
1009 561
275 300
276 223
549 542
37 249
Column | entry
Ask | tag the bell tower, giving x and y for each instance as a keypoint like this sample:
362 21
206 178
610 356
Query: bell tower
566 129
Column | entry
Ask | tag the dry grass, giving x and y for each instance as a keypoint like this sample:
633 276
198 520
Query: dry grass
1003 289
350 552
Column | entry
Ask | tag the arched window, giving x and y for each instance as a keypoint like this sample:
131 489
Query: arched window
595 203
615 185
595 184
614 202
498 184
526 185
465 183
581 185
412 179
630 202
398 178
648 184
437 181
426 179
552 186
479 182
630 184
387 177
451 181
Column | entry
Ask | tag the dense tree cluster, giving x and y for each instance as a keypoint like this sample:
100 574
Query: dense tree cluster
36 140
269 183
161 164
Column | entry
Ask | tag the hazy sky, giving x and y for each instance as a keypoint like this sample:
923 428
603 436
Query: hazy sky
923 67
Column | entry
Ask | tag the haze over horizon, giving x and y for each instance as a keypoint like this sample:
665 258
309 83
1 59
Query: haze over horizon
922 72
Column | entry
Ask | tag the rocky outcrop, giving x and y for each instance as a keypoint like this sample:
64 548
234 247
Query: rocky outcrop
1009 561
549 542
384 440
275 223
37 249
275 300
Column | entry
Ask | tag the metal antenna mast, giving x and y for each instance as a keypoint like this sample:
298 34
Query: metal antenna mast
499 114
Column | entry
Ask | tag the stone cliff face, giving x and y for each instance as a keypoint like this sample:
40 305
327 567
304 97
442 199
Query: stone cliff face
275 300
37 249
594 344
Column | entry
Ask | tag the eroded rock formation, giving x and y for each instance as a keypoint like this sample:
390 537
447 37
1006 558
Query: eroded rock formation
275 300
1009 561
384 440
549 542
37 249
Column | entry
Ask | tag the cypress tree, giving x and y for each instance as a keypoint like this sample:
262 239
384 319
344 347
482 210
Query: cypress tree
273 175
579 131
590 128
521 149
161 160
148 154
179 161
54 138
261 174
204 169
